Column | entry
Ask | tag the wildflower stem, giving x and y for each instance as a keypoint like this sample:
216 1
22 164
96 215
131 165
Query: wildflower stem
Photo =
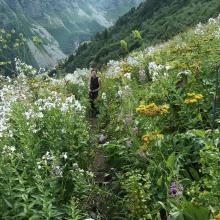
215 98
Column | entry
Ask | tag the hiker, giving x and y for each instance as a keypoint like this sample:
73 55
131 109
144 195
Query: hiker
94 87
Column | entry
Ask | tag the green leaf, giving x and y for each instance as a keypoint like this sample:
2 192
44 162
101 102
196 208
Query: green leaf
159 181
192 212
217 142
169 178
177 215
171 161
194 173
200 133
8 203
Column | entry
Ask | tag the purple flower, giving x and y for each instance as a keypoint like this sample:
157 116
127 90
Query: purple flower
176 189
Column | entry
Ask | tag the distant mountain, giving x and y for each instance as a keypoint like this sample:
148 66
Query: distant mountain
157 21
61 25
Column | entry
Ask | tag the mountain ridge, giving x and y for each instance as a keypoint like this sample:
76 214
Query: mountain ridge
61 25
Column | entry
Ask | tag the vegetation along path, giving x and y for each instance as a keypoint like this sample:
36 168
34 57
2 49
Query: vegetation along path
153 153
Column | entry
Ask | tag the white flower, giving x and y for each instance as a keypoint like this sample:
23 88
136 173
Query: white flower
199 29
104 97
154 70
212 21
142 75
114 68
90 174
78 106
8 79
69 100
77 77
56 171
28 114
8 150
166 74
64 155
132 61
63 131
127 89
64 108
23 69
150 51
75 166
39 165
70 77
47 157
216 34
12 149
168 67
10 134
40 115
127 75
120 93
57 81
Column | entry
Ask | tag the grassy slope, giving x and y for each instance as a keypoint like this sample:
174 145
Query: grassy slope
138 184
186 128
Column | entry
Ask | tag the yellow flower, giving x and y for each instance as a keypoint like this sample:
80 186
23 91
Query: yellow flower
191 94
194 98
141 109
217 217
199 97
190 101
143 149
126 68
184 66
148 138
160 136
164 109
152 109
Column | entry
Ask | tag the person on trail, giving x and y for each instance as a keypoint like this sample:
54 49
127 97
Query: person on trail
94 86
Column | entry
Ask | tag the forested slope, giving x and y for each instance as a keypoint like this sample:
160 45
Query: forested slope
157 20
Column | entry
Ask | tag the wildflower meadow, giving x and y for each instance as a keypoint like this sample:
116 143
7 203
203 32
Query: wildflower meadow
152 153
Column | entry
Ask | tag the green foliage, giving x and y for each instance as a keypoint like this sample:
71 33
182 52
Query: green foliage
12 45
159 128
157 156
45 150
137 35
36 40
124 45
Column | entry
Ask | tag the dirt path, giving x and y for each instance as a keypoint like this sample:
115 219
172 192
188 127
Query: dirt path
99 163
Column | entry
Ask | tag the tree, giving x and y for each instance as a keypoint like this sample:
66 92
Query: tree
137 35
124 45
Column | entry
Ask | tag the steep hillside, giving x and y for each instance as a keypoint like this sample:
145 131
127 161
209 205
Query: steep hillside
61 25
152 153
157 20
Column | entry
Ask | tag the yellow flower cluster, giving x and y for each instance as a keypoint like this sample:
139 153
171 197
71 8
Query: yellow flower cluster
193 98
217 217
164 109
152 109
126 68
148 138
118 77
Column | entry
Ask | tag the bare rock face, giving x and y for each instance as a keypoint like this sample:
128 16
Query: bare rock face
61 25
